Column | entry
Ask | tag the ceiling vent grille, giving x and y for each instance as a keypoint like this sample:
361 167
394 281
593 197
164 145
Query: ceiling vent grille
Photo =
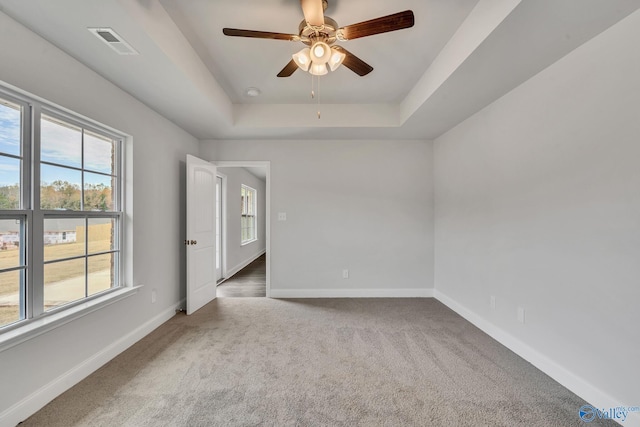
113 40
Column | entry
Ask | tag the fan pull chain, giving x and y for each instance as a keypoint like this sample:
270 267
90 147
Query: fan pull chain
318 97
313 94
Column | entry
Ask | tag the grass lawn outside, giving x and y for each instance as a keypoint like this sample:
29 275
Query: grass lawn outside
56 272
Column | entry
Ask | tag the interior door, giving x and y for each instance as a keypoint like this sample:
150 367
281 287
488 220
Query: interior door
201 233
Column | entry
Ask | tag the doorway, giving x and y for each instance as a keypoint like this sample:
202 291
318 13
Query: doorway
243 229
251 281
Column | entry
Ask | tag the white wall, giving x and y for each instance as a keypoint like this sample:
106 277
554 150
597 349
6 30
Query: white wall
361 205
58 358
538 203
238 255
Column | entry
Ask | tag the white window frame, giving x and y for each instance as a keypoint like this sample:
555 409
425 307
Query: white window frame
35 319
254 216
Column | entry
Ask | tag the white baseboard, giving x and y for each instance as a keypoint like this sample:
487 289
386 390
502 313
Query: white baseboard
230 272
568 379
45 394
351 293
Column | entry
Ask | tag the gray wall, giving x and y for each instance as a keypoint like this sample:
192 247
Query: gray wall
365 206
156 180
538 202
238 255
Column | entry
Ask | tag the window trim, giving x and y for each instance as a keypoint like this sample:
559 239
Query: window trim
254 216
15 334
37 320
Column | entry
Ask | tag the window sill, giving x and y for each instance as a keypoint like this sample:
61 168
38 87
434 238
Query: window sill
248 242
37 327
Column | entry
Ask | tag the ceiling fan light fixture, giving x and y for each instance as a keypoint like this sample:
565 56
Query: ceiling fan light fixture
336 58
320 53
302 59
318 69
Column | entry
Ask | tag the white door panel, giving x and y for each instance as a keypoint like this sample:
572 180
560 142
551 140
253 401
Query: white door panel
201 233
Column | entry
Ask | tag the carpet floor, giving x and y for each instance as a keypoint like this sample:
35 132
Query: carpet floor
319 362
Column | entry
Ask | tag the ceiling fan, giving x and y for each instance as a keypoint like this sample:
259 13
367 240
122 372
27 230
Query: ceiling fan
320 33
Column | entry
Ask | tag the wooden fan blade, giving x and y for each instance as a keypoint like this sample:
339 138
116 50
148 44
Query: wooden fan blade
234 32
354 63
289 69
384 24
313 12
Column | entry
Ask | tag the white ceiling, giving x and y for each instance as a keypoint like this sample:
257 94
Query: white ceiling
460 56
399 58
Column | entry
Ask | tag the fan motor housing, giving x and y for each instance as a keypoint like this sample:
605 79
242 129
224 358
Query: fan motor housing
325 33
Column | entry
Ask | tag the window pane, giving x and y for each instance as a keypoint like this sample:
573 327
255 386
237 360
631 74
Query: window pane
61 143
63 282
9 183
10 253
63 238
10 118
98 192
247 222
102 272
101 235
10 284
59 188
99 153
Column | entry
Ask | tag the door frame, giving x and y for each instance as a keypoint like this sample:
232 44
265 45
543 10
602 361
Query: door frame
261 164
223 225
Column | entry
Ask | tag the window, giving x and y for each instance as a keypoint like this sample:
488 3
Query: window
60 223
248 197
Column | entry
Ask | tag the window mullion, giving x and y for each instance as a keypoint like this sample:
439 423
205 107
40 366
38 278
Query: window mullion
82 172
25 300
36 242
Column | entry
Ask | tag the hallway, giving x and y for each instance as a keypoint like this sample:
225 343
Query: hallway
251 281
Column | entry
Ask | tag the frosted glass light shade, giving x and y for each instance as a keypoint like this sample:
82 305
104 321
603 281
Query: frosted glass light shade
320 53
318 69
302 59
336 59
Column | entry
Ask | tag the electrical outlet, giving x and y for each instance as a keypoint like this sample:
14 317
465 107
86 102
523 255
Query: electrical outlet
154 296
493 302
521 314
282 216
345 273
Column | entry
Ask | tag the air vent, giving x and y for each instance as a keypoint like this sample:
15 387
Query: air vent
113 40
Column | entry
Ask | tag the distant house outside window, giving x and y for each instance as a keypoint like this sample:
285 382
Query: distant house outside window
248 225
